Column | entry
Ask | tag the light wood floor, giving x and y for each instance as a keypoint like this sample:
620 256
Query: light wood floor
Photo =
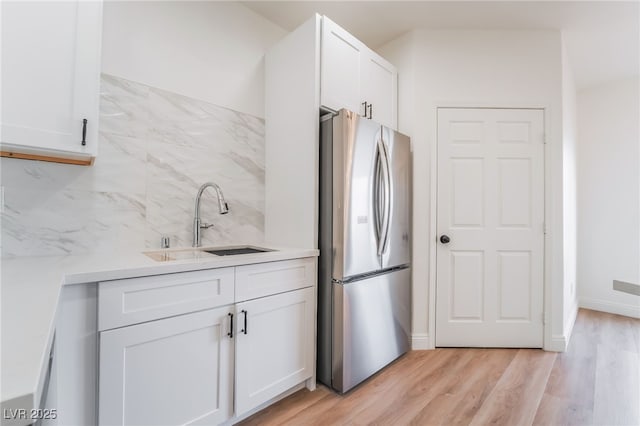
596 382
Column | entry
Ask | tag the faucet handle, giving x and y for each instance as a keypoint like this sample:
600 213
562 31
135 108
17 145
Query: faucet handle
206 225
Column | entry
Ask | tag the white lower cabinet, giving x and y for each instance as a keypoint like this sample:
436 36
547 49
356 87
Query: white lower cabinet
274 346
192 368
174 371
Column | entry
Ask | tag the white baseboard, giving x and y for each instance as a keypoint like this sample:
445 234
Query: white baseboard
558 343
420 341
627 310
568 330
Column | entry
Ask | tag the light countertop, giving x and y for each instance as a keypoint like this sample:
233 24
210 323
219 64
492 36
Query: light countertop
30 290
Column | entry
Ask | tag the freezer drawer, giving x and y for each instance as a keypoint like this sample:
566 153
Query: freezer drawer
371 323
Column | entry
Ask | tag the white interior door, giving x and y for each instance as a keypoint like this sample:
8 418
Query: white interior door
489 289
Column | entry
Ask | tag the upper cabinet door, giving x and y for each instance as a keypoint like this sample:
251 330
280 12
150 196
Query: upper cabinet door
51 77
341 59
354 77
380 89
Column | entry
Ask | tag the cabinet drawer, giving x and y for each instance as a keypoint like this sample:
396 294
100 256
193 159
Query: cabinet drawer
135 300
264 279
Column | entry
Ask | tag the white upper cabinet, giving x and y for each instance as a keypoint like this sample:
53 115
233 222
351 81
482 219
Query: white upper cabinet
380 89
51 78
353 76
340 68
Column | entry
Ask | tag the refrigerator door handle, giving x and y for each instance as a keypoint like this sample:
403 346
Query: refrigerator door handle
377 199
388 196
386 208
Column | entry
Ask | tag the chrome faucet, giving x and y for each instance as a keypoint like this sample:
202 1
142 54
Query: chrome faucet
223 208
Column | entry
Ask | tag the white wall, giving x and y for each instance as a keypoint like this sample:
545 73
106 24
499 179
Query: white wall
478 68
211 51
569 193
609 195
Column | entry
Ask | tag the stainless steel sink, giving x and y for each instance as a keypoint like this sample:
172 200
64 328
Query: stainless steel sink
230 251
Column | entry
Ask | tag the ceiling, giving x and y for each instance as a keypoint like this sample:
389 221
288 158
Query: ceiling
602 37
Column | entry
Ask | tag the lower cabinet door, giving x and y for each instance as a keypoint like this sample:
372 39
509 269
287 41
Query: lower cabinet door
274 346
174 371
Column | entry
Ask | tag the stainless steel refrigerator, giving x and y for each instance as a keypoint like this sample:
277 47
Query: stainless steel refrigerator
364 286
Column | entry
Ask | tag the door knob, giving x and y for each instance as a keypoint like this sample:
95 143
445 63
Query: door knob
445 239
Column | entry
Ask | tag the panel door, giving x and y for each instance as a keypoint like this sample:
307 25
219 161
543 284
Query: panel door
398 246
167 372
340 68
51 74
275 346
380 89
491 206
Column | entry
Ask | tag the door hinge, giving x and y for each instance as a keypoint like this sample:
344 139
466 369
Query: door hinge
544 228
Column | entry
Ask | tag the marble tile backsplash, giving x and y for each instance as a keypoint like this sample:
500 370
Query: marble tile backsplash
156 148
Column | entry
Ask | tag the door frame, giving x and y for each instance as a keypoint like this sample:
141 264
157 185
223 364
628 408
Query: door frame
550 342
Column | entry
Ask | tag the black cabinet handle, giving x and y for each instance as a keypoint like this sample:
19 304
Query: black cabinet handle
84 131
244 330
370 111
230 333
445 239
366 106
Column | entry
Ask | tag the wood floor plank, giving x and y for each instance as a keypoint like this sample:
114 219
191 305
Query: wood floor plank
515 398
596 382
574 369
281 411
460 403
378 388
378 398
400 406
617 381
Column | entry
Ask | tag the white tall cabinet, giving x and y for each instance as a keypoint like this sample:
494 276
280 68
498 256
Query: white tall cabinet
317 67
51 79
